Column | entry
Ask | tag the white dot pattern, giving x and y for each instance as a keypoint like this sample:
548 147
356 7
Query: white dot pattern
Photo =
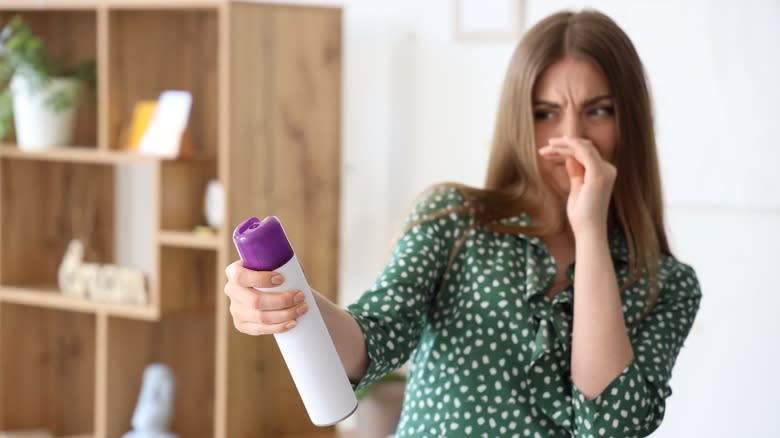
490 353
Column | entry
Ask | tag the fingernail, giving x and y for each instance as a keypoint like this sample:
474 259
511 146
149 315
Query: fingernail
303 308
291 324
277 279
299 297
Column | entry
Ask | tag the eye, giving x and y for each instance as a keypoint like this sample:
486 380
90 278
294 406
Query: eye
602 111
542 115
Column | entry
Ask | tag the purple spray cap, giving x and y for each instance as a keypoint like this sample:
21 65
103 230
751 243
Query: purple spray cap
262 245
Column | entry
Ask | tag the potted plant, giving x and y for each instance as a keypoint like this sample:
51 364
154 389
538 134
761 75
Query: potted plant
39 95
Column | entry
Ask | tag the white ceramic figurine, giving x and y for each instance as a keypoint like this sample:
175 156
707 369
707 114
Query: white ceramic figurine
153 413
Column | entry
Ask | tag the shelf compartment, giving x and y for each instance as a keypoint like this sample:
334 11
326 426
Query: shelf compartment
71 37
184 239
188 282
182 191
48 379
154 51
184 343
51 298
38 218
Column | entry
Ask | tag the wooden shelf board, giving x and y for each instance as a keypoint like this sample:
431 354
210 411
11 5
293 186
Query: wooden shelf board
91 155
76 154
156 4
113 4
186 239
55 5
47 5
49 297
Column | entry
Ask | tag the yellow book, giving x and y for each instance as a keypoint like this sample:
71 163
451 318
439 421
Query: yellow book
142 115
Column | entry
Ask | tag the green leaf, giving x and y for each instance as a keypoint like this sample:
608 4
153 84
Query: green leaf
64 98
6 113
24 53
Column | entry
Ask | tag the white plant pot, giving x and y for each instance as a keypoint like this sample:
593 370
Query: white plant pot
37 125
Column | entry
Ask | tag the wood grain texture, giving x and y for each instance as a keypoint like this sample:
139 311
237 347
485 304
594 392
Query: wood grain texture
51 298
184 239
284 160
186 345
168 4
103 78
182 189
186 280
154 51
266 83
254 364
44 206
70 37
50 381
100 417
113 4
77 154
221 325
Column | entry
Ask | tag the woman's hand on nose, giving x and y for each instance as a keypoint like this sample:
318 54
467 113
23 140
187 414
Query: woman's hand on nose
591 182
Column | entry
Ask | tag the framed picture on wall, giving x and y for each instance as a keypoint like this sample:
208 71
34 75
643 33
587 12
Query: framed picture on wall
488 20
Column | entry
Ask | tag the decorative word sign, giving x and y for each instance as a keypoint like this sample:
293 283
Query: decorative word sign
99 282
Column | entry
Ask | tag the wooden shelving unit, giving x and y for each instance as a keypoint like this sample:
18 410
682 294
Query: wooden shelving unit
266 85
184 239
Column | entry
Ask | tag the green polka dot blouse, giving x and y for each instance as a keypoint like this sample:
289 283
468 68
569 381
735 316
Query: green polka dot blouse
490 353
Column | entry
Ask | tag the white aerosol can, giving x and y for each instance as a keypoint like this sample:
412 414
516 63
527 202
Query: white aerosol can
307 348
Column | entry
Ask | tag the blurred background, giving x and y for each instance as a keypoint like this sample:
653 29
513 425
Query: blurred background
415 101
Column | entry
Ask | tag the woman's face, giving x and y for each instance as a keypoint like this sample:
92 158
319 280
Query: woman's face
571 98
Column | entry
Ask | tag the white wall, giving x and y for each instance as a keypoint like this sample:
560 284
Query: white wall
419 109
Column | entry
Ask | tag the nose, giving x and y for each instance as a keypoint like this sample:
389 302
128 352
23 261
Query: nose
572 125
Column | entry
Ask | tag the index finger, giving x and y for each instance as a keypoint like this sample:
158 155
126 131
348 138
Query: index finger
266 300
237 273
582 150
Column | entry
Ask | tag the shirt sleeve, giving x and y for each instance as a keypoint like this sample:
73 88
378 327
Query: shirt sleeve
633 404
392 314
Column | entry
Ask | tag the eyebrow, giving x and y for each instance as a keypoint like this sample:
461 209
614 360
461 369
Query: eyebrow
586 103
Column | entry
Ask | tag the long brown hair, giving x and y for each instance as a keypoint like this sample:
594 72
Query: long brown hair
514 182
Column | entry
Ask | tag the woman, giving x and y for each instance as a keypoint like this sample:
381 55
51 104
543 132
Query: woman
547 303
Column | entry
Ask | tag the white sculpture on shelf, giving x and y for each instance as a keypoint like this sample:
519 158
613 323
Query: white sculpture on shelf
214 203
152 415
99 282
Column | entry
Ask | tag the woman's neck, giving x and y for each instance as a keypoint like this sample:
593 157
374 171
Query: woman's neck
562 240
